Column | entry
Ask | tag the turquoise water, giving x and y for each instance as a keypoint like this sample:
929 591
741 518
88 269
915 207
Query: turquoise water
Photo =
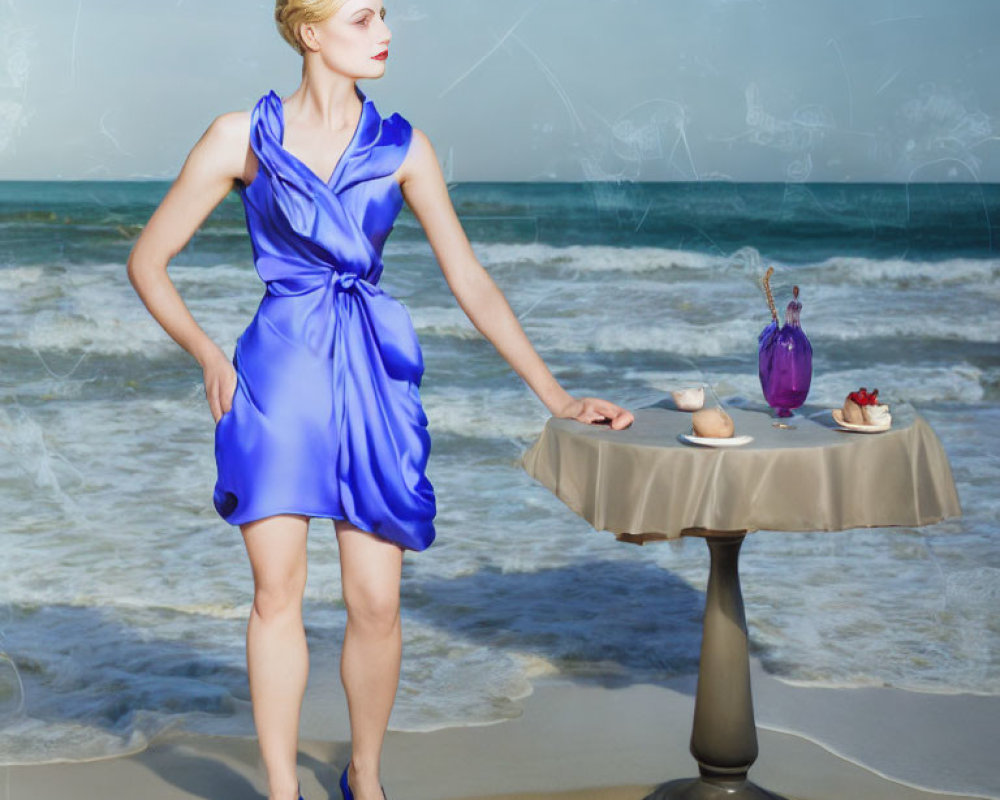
123 596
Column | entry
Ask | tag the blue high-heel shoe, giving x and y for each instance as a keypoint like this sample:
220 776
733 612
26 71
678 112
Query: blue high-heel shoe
345 786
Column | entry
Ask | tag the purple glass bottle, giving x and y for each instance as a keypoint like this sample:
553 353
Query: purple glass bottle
784 358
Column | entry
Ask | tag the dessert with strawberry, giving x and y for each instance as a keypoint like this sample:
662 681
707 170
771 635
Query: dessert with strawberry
863 408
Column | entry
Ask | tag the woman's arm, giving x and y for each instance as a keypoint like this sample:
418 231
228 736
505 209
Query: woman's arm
426 193
216 160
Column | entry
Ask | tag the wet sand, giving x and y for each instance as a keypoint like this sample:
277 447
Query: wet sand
587 743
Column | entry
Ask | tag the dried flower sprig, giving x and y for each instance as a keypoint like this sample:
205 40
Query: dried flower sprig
770 297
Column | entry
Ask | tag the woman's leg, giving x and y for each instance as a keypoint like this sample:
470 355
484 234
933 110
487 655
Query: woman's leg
370 570
277 657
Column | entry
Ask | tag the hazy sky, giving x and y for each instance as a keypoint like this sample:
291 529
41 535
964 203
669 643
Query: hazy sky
784 90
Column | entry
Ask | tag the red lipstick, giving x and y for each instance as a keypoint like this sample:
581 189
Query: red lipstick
382 56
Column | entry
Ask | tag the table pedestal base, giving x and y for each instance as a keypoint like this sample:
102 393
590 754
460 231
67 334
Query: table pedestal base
700 789
724 736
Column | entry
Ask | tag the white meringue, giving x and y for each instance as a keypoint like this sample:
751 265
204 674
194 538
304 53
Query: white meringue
877 415
689 399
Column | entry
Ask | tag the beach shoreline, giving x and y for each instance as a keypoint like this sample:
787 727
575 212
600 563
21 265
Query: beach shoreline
125 597
586 742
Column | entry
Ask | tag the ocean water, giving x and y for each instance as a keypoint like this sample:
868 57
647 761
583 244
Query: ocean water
124 597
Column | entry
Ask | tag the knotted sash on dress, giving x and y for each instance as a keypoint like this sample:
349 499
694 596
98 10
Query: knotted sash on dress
327 419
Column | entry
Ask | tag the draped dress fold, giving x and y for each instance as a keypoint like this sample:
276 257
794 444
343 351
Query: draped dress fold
327 419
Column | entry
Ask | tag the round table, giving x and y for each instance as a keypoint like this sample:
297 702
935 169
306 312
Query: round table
644 483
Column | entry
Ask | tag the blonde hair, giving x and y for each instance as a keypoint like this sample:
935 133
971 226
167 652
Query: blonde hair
290 14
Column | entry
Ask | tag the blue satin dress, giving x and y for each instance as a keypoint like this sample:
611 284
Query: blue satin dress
326 420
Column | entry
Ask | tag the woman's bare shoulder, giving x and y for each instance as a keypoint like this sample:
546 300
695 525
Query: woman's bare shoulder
420 156
225 144
235 124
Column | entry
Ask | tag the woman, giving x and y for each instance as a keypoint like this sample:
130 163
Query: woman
318 414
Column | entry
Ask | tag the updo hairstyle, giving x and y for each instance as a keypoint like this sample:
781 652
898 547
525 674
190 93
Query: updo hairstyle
290 14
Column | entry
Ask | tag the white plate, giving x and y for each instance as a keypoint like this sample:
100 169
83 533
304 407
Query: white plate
838 417
707 441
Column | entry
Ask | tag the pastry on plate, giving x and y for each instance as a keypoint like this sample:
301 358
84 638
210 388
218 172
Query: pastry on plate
712 423
863 408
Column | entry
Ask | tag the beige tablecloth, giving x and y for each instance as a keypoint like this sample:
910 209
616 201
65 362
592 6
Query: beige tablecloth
644 483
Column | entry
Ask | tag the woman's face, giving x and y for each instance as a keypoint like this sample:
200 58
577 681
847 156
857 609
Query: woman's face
349 40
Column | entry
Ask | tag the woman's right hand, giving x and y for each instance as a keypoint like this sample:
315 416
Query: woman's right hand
220 385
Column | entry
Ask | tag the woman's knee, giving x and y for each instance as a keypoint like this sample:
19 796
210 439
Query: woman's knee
370 571
376 612
278 597
277 549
